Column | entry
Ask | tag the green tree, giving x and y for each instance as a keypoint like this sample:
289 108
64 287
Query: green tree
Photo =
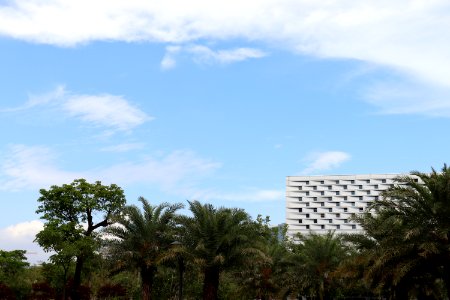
218 239
142 240
73 212
316 258
407 236
13 267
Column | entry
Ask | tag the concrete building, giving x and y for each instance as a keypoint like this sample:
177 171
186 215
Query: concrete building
323 203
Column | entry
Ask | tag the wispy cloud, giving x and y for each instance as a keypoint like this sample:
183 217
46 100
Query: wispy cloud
205 55
123 147
111 112
324 161
25 167
34 167
408 36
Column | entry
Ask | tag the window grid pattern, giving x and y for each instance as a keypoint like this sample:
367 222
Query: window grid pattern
323 203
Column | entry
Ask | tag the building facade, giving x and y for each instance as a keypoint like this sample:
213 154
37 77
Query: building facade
323 203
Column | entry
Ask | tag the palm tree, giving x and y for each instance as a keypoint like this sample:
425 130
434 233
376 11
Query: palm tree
315 259
410 232
218 239
141 240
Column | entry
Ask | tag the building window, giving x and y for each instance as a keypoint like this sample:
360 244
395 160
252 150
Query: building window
337 181
383 180
345 209
322 226
338 226
345 221
300 188
353 226
299 198
375 186
353 192
329 187
315 221
322 204
352 181
360 187
307 204
315 188
368 192
376 197
352 203
360 197
315 198
322 193
322 215
361 209
337 204
368 180
299 210
338 215
330 210
337 193
307 226
307 193
329 221
315 209
322 182
345 197
307 215
300 221
345 187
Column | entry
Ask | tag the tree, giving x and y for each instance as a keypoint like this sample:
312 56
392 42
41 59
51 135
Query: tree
218 239
316 257
73 212
13 265
141 240
410 234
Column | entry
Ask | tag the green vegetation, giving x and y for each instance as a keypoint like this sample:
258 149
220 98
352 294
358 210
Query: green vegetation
222 253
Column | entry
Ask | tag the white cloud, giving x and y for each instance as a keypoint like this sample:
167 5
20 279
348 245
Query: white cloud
167 171
409 36
324 161
25 167
205 55
32 168
20 237
108 111
125 147
105 110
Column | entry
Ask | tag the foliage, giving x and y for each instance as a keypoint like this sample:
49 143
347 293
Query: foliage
142 240
218 239
66 209
406 245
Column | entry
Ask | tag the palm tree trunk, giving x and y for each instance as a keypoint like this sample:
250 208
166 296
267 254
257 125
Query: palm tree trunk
147 275
211 283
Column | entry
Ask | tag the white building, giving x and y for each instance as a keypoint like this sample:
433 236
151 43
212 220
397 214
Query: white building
323 203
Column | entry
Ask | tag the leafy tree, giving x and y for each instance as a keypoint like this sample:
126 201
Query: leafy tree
316 258
73 212
407 236
141 240
13 273
218 239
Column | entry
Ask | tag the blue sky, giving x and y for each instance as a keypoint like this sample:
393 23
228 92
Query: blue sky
217 101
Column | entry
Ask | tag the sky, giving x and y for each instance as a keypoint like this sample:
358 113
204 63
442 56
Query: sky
216 101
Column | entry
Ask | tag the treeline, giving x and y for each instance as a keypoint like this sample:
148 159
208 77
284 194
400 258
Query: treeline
105 249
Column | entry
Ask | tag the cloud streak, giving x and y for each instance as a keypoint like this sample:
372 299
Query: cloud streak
34 167
409 37
325 161
111 112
